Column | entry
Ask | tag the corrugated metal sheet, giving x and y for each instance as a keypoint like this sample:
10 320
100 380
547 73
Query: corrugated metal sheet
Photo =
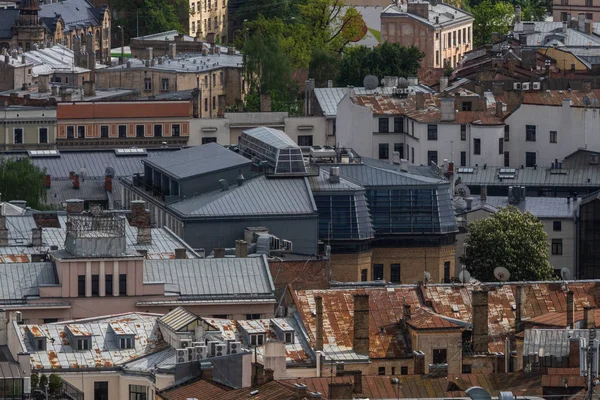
213 277
370 176
529 176
178 318
541 207
18 280
272 137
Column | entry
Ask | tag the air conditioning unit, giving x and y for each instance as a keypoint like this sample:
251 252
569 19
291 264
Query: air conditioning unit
191 353
185 343
275 243
196 344
211 345
182 356
220 350
536 85
594 158
234 347
200 353
287 245
525 85
517 85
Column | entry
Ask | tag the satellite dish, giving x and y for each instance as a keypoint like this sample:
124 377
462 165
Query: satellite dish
370 82
478 393
565 274
427 276
463 190
109 171
464 276
587 101
507 395
501 274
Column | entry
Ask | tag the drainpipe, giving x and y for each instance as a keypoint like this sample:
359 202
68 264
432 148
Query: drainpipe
319 354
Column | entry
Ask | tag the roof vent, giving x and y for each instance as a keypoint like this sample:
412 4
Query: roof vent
224 184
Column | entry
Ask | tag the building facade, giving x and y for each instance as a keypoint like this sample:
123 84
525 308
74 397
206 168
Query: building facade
208 20
28 127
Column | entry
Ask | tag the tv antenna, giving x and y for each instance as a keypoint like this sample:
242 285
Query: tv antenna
565 274
370 82
501 273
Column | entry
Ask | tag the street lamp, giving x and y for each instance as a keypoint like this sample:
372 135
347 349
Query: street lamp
122 60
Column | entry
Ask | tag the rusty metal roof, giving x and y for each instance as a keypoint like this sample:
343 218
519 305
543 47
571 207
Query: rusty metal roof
555 97
424 319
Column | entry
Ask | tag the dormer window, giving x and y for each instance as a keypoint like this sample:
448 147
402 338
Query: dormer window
40 344
257 340
126 343
289 337
83 344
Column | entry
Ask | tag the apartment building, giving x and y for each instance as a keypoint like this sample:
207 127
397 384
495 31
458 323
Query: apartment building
563 9
441 31
28 127
208 20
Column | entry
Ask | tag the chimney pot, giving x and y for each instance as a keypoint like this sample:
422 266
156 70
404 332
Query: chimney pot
361 324
219 252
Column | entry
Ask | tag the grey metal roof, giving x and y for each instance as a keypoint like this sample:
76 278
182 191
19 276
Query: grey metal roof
369 176
178 318
257 196
7 20
198 160
321 183
167 36
541 207
18 280
549 33
440 14
273 137
551 342
422 170
73 12
529 176
62 190
213 277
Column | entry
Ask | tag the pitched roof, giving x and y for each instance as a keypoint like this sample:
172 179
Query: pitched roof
530 176
424 319
198 160
369 176
18 280
274 390
440 14
541 207
8 17
200 389
556 97
75 13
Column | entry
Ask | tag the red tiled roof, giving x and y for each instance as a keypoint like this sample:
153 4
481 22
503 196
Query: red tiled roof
200 389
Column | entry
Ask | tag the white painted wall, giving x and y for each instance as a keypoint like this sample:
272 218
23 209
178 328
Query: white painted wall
354 127
307 126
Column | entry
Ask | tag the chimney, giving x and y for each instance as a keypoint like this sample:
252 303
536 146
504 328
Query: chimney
447 109
565 26
180 254
403 165
518 14
361 324
74 206
43 83
319 312
330 83
219 252
48 181
518 309
108 183
36 237
405 314
196 99
443 83
300 390
150 52
570 310
574 352
589 317
483 194
3 231
587 87
265 102
89 88
76 181
419 8
240 179
269 375
357 388
172 50
241 248
499 109
140 218
334 175
231 51
419 100
581 22
480 321
469 203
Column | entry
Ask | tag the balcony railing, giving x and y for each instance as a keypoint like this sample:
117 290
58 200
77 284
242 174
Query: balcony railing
119 141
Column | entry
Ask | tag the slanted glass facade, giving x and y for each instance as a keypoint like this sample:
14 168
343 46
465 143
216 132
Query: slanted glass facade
343 217
588 237
275 148
11 389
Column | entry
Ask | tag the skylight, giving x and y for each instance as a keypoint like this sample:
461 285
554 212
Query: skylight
43 153
130 152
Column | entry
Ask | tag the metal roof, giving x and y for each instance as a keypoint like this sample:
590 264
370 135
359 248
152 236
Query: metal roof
272 137
7 20
541 207
178 318
62 190
551 342
369 176
257 196
167 36
212 277
10 370
321 183
439 15
198 160
530 176
19 280
75 13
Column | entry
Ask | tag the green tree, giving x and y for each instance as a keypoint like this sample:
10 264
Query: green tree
388 59
448 70
43 381
324 65
251 10
510 239
35 380
151 16
491 17
54 384
20 179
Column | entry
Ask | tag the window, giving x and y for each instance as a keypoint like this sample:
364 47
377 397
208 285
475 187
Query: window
83 344
384 125
463 158
530 159
175 130
449 40
252 316
206 140
500 146
221 80
553 137
506 133
50 320
378 272
193 26
108 284
43 135
289 337
432 156
220 316
104 131
381 371
439 356
122 131
589 3
399 147
557 226
70 132
403 370
147 84
477 146
81 132
437 57
216 22
205 104
100 390
459 36
158 129
214 103
81 285
137 392
140 130
506 159
463 132
530 133
305 140
587 16
432 132
384 151
395 273
557 247
209 24
412 154
18 136
95 285
164 84
126 343
563 15
447 272
40 344
363 275
454 38
398 124
467 106
467 369
393 370
123 284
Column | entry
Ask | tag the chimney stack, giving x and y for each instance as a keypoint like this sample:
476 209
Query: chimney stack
48 181
300 390
499 109
361 324
518 14
480 321
570 310
180 254
150 52
420 100
319 312
589 317
140 218
75 206
405 314
219 252
483 194
241 248
518 308
447 109
334 175
172 50
89 88
108 183
3 231
36 237
76 181
443 83
581 22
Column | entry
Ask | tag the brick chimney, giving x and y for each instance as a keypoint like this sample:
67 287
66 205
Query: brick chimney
319 312
361 324
419 100
480 321
574 352
269 373
36 237
300 390
219 252
180 254
48 181
241 248
108 183
140 218
75 206
589 317
405 314
76 181
570 310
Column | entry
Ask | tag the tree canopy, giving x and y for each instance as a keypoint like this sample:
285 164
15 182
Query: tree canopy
151 16
20 179
491 17
510 239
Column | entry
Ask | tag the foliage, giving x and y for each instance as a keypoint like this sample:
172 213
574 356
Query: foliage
448 69
43 381
388 59
251 10
54 384
35 380
20 179
152 16
491 17
323 66
510 239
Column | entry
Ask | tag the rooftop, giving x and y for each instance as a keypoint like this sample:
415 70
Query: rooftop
273 137
530 176
440 14
23 279
76 94
541 207
75 14
55 59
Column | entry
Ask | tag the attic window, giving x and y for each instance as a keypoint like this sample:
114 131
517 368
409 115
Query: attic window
289 337
465 170
126 343
40 344
257 340
83 344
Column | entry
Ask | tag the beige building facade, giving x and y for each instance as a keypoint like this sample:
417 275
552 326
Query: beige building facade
208 20
443 32
28 127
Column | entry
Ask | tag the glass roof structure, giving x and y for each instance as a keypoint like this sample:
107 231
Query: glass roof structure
273 147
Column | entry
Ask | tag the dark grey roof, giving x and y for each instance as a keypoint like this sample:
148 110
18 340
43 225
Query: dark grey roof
541 207
213 277
529 176
198 160
7 20
73 13
89 190
18 280
369 176
423 170
257 196
321 183
180 95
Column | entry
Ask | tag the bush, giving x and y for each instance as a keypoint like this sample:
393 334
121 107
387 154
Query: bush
55 383
35 380
43 381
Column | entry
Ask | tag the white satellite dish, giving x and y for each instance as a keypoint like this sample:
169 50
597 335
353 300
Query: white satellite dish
462 190
501 274
478 393
427 276
464 276
370 82
565 274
